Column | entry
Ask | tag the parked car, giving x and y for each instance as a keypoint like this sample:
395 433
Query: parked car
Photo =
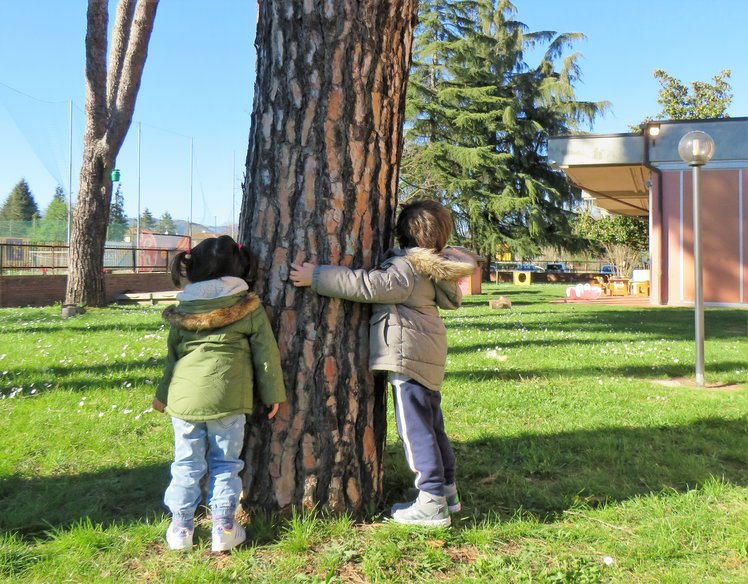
529 268
556 267
608 270
502 267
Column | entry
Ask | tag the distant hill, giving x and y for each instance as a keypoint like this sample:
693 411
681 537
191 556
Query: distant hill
182 227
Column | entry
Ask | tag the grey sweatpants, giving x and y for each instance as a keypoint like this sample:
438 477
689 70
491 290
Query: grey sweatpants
420 424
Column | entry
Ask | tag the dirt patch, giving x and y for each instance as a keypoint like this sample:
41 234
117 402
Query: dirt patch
686 382
463 555
350 573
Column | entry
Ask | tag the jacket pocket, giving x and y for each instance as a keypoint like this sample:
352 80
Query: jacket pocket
378 331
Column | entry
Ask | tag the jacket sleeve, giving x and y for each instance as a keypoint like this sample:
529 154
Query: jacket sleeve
266 360
162 391
392 284
448 295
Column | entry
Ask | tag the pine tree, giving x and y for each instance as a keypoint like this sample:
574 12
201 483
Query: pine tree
166 224
118 222
20 204
147 221
479 120
53 226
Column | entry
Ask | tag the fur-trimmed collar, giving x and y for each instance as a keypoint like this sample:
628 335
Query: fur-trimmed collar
427 262
213 319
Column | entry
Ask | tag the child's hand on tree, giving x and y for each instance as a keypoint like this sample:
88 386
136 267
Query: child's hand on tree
301 275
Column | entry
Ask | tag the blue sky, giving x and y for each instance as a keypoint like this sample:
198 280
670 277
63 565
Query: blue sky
199 77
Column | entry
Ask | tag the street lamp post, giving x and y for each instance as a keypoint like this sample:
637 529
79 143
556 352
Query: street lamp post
696 149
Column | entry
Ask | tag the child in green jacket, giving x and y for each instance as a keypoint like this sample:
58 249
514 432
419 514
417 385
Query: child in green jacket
221 350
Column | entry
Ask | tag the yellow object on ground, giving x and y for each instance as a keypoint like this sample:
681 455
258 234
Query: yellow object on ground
522 278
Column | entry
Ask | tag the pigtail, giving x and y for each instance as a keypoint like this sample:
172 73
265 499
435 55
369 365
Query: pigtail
179 266
248 263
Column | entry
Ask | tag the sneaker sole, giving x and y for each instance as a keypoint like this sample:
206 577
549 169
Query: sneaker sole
180 545
400 506
225 547
446 522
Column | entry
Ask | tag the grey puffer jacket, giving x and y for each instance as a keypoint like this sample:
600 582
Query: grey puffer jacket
406 333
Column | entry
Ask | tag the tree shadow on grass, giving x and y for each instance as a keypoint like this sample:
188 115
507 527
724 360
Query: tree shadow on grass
34 506
44 320
604 368
545 475
86 328
80 378
617 324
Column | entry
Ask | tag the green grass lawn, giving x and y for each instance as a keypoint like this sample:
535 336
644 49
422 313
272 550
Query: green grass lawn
575 465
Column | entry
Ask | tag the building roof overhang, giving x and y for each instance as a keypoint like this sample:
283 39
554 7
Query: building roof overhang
614 170
608 168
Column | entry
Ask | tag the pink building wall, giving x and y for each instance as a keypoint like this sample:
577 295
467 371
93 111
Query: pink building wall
724 236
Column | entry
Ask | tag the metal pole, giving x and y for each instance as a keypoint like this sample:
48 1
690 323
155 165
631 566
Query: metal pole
190 231
698 279
70 171
137 222
233 195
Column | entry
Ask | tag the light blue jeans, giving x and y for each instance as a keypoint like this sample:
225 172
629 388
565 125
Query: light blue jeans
199 447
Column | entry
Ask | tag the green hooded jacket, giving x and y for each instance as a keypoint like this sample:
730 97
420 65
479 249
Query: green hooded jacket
220 351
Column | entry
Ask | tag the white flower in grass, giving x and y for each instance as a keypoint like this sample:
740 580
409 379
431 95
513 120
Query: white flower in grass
128 411
608 561
101 414
3 356
145 411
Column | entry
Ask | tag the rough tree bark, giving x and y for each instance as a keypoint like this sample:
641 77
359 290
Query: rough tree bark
110 101
321 186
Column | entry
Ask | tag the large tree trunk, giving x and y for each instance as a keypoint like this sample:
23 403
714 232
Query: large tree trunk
321 186
110 102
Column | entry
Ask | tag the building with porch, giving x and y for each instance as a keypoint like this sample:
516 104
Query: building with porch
643 175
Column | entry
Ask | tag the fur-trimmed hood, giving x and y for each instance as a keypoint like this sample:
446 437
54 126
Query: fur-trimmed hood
212 319
445 266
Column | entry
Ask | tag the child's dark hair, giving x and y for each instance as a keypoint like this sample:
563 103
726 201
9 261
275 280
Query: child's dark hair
213 258
423 223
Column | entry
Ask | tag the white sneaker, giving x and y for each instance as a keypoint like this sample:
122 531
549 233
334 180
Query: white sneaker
427 510
179 538
450 493
225 539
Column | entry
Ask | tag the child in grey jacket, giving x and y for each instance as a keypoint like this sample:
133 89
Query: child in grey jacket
407 338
